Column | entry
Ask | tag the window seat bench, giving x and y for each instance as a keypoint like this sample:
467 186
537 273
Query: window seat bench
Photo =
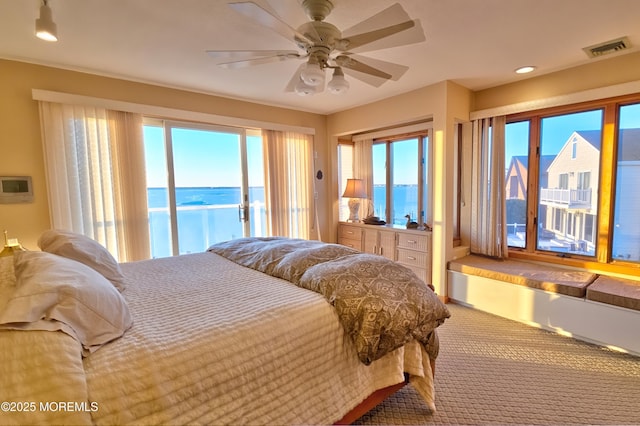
596 308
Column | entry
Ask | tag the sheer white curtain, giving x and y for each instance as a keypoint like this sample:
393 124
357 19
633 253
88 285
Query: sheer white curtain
94 160
288 163
488 223
363 169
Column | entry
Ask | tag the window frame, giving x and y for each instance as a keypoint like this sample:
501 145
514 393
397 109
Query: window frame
425 172
603 260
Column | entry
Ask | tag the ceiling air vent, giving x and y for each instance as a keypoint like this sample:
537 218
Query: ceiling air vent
611 46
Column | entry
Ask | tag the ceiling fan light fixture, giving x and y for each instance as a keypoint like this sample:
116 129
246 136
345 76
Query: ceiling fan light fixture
338 84
312 74
46 29
304 89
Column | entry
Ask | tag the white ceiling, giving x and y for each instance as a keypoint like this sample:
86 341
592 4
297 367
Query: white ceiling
476 43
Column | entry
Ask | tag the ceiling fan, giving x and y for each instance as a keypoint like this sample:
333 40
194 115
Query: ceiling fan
324 47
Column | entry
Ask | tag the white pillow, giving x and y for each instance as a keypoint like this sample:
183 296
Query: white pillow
84 250
55 293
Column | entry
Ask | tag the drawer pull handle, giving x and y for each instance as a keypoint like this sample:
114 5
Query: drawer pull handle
411 258
349 232
411 241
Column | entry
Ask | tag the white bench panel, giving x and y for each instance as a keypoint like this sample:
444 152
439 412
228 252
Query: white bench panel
607 325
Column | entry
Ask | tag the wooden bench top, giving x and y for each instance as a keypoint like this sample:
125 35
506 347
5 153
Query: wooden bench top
615 291
543 277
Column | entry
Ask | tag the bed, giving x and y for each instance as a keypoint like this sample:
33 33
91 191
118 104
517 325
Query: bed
253 331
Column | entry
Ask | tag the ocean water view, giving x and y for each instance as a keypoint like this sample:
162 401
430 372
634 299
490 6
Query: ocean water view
207 215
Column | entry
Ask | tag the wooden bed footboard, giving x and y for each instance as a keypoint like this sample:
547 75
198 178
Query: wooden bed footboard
372 401
376 398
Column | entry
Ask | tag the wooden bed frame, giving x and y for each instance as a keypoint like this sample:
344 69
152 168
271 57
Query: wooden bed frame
376 398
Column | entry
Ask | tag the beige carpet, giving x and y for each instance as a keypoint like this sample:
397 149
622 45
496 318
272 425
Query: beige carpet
495 371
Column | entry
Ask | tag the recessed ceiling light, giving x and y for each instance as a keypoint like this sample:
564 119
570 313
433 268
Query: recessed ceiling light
524 70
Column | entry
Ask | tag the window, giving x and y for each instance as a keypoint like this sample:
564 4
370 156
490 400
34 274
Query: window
563 181
400 178
626 232
380 181
517 166
345 171
582 164
205 184
399 172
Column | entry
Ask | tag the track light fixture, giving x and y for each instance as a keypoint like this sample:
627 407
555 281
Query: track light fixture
46 29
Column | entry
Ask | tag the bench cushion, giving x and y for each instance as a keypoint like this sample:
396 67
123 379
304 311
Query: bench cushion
615 291
549 278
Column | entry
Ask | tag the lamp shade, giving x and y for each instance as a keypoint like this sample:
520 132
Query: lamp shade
312 74
354 189
338 84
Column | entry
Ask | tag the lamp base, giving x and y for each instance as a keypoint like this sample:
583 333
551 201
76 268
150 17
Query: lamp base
354 207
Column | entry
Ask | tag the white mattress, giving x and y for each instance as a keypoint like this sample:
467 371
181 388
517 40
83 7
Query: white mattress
217 343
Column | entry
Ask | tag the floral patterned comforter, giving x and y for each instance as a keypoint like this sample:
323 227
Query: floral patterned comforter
381 304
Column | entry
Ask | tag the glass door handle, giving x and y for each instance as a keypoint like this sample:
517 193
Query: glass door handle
243 213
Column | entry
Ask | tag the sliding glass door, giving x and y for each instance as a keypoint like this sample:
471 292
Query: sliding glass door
200 186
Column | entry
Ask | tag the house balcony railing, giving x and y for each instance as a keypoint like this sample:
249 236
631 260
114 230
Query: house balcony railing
569 198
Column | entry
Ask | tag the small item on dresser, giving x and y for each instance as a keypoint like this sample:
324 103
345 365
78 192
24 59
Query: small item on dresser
410 223
11 245
373 220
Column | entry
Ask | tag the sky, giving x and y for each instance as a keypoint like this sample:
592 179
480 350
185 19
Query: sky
202 158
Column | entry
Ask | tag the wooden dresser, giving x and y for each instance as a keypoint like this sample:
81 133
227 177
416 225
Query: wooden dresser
409 247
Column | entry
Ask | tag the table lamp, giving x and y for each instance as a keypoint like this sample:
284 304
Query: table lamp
354 191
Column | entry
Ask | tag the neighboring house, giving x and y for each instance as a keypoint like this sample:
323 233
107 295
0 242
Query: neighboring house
571 195
517 175
516 180
516 195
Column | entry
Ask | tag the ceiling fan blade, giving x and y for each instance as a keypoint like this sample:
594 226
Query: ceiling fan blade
245 58
412 35
348 62
248 54
393 70
270 20
366 78
359 40
390 28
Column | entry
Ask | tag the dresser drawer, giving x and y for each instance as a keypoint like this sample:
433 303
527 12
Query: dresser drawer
349 242
350 232
412 258
413 241
421 273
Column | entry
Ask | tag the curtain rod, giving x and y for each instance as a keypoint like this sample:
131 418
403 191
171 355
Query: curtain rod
393 131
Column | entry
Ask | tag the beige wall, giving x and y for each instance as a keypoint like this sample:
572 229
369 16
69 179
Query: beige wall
597 74
21 147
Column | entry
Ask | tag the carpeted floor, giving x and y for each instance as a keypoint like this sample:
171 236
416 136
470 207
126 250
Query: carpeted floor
495 371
